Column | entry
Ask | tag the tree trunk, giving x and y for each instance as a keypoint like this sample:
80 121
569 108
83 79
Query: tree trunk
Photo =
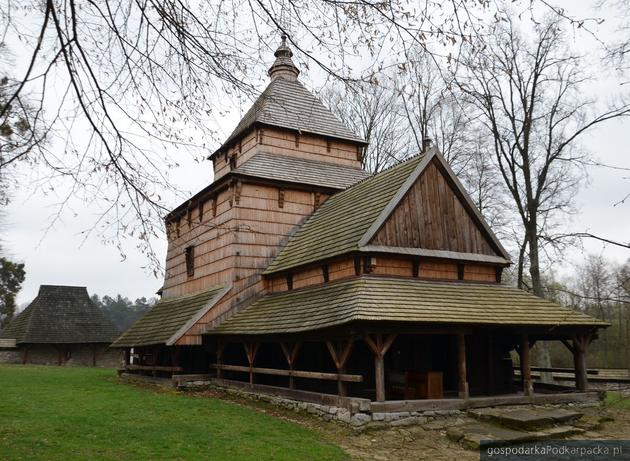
543 356
521 263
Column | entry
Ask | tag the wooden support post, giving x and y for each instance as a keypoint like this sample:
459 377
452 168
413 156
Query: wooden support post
93 355
250 351
175 355
291 356
25 356
526 371
220 347
462 377
156 359
340 354
127 356
379 347
491 376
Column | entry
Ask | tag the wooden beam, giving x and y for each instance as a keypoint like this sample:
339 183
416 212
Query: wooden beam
152 368
526 372
491 375
340 354
291 356
297 373
220 349
353 404
250 350
568 345
462 377
379 347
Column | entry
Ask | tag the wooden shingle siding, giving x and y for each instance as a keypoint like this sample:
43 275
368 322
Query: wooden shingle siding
431 216
308 277
479 273
281 143
250 235
393 266
438 270
248 149
341 269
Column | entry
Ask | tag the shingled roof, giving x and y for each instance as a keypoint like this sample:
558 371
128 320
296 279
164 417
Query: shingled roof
61 315
302 171
399 300
286 103
338 225
169 319
347 221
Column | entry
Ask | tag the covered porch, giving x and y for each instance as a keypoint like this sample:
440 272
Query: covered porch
392 339
400 364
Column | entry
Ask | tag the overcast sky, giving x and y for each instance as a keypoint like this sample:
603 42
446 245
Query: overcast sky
60 256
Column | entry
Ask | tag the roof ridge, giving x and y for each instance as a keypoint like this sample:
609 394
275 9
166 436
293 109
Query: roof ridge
389 168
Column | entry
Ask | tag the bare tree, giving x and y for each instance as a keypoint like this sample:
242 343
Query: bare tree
130 85
527 96
374 111
528 99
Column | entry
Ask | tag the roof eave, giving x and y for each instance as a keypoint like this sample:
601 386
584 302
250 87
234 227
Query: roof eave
232 139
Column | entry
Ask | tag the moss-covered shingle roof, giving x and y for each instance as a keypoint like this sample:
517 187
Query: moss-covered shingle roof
61 315
169 319
399 300
338 225
299 170
288 104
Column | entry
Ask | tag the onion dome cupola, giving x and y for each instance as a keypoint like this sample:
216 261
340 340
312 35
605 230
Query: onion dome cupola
283 67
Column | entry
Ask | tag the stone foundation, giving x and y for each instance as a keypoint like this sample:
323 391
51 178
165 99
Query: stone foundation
10 356
431 419
81 355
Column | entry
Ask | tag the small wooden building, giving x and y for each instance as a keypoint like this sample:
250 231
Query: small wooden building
61 326
297 270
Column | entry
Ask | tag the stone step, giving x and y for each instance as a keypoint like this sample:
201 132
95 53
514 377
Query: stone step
526 419
473 435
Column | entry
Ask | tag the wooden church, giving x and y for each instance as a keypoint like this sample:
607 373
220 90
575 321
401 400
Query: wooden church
298 273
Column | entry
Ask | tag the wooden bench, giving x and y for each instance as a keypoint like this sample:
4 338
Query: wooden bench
412 385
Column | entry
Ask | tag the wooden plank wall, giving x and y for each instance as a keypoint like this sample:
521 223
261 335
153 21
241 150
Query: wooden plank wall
258 228
283 142
431 216
212 238
385 266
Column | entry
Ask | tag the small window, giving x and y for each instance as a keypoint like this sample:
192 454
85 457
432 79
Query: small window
190 261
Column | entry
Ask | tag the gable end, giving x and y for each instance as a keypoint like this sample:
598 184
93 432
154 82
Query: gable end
433 212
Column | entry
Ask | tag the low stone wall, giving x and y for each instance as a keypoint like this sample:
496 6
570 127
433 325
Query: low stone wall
10 356
431 419
81 355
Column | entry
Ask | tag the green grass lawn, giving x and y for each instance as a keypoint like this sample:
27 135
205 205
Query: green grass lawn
52 413
617 400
